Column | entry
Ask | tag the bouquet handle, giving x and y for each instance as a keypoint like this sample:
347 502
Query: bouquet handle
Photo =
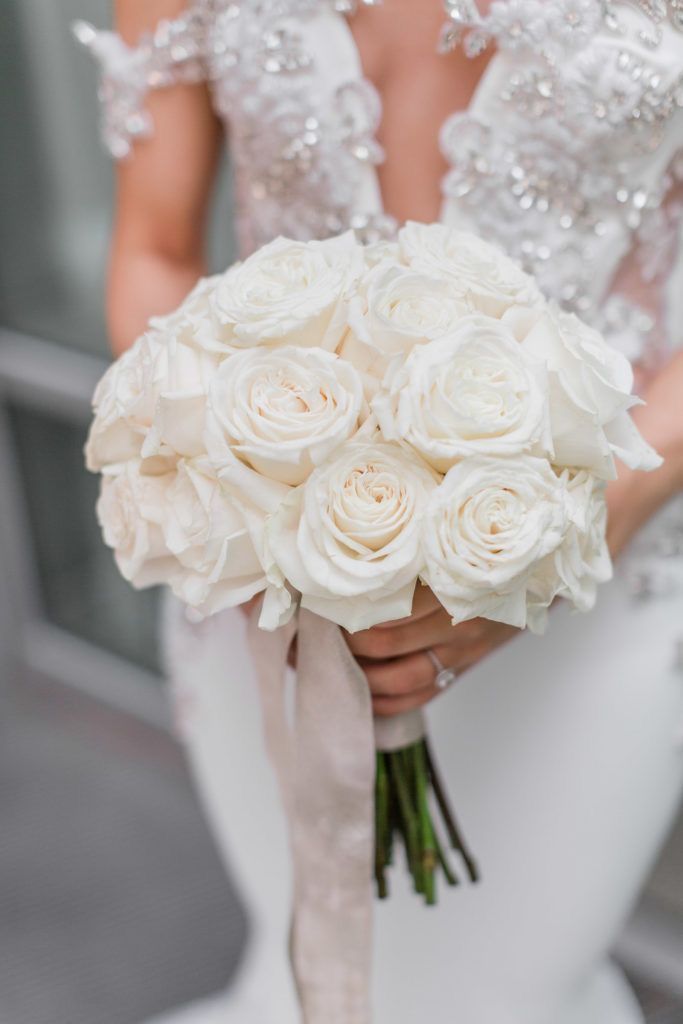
400 731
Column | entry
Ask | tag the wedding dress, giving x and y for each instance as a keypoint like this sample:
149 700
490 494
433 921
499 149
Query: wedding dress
564 754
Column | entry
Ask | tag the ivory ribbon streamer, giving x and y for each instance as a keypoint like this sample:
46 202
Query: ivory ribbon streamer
326 766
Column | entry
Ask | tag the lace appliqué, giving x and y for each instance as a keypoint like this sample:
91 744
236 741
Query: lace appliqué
657 13
513 24
556 179
172 53
301 156
652 568
552 28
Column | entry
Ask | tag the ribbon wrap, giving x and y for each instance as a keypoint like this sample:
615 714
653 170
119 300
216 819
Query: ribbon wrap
325 761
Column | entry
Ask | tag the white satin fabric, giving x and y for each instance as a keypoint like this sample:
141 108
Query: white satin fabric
564 756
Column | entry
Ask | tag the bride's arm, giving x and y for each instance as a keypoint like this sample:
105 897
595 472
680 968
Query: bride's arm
401 675
162 194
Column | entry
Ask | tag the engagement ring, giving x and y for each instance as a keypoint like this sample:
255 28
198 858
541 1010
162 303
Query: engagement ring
444 676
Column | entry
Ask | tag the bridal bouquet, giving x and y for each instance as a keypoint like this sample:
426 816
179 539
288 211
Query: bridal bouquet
331 425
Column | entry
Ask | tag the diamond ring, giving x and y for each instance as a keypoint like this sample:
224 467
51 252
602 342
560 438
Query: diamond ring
444 676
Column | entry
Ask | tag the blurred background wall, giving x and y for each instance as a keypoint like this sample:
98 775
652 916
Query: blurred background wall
113 905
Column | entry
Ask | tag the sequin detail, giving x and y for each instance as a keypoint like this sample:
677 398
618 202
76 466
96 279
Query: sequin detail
550 28
652 568
300 154
561 171
567 162
172 53
301 157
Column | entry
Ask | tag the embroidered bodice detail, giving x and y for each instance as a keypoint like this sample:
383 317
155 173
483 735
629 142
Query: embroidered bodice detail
570 154
552 29
303 129
174 52
573 144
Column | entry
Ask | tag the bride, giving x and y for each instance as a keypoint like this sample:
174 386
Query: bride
556 130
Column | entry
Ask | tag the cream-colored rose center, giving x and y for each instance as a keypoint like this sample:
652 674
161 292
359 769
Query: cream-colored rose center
479 396
485 525
370 507
416 312
278 398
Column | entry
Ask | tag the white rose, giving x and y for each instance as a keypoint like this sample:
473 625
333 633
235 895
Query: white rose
349 538
123 405
487 527
217 564
583 559
130 511
289 293
151 401
180 529
590 393
477 271
193 322
474 392
282 411
380 251
399 308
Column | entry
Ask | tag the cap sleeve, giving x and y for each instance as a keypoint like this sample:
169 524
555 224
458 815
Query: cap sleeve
174 52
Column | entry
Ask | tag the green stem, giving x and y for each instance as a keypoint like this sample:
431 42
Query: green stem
407 815
443 862
405 780
428 856
454 834
382 826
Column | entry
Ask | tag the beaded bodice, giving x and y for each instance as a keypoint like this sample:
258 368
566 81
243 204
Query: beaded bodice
570 153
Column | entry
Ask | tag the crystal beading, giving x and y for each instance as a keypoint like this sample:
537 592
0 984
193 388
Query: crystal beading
572 163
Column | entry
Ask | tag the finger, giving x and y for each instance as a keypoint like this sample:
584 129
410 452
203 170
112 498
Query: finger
468 641
406 675
386 707
400 677
405 637
249 605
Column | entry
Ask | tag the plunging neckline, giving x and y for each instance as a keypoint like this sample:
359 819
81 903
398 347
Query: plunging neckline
482 84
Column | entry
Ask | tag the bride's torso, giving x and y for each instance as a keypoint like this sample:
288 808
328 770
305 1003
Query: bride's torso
558 141
553 127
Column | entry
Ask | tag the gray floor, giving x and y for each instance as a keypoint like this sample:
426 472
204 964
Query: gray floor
113 905
660 1008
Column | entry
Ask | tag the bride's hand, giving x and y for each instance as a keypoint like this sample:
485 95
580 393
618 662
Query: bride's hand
393 656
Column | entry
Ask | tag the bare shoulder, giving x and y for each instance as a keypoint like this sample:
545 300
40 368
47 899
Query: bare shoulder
133 18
